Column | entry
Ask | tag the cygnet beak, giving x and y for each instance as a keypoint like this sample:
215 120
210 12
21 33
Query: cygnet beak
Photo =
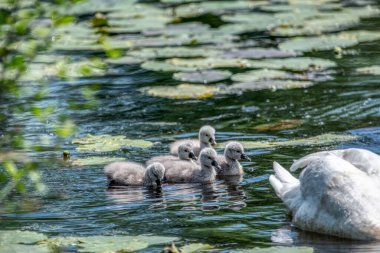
215 164
192 156
158 182
212 141
245 157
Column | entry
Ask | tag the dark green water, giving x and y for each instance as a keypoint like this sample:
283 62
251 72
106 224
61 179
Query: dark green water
225 215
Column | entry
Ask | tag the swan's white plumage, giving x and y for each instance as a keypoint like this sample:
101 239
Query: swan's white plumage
338 193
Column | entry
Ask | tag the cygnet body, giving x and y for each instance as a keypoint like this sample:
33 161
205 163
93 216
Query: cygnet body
206 140
185 153
337 193
186 172
229 162
129 173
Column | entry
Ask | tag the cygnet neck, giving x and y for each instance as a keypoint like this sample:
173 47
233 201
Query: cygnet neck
205 145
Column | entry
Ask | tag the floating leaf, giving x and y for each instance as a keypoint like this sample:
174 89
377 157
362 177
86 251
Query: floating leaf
215 7
22 241
64 69
322 24
256 53
195 247
179 29
280 125
327 42
182 91
103 244
105 143
372 70
202 76
276 250
295 64
209 63
18 236
164 66
267 85
125 60
260 74
169 52
299 8
319 140
95 160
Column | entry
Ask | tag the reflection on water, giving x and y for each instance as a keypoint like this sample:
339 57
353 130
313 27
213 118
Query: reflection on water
205 197
289 235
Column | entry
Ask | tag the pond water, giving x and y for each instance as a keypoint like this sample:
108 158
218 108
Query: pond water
227 215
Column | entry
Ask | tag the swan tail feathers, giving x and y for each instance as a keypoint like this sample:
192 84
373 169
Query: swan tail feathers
283 175
303 162
277 185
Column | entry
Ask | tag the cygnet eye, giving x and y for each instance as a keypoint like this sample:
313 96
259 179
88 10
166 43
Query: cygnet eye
207 135
209 157
186 150
238 151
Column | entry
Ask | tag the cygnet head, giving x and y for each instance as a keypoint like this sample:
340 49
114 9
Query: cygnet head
154 175
208 158
234 150
207 135
185 151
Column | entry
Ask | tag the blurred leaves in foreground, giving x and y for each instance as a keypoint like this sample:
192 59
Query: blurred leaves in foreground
27 28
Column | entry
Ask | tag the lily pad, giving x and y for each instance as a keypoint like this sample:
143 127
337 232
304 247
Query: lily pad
22 241
215 7
260 74
125 60
64 69
295 64
210 63
178 29
319 140
327 42
276 250
170 52
299 8
18 236
95 160
164 66
102 244
106 143
195 247
318 25
280 125
267 85
202 76
372 70
257 53
182 91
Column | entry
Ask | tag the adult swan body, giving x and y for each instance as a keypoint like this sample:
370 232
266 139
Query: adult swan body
337 193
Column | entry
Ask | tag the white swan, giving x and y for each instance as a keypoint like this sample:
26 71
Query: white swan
229 162
130 173
338 193
206 140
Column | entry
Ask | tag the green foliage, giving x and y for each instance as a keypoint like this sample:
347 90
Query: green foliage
26 28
